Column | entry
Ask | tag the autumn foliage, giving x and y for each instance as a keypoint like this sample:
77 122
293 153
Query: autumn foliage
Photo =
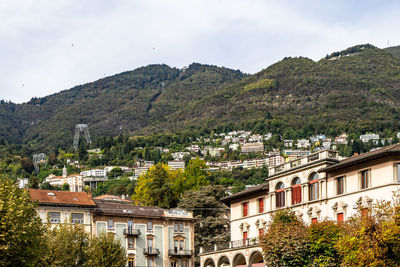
366 239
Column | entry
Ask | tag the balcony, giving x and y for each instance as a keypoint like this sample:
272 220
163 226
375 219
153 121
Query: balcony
180 253
242 243
131 232
151 252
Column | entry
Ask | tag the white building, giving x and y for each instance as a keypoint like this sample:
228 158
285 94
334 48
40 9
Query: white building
365 138
75 181
303 143
288 143
315 187
234 147
176 165
341 139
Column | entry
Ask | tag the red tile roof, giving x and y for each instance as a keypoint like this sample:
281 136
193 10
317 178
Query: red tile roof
61 197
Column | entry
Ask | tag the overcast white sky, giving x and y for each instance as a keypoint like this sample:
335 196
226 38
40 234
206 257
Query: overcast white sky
49 46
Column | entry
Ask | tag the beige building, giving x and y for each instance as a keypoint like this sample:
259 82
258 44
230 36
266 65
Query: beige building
64 207
75 181
151 236
252 147
315 187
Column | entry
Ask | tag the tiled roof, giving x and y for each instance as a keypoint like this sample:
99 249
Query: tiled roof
111 198
61 197
255 189
389 150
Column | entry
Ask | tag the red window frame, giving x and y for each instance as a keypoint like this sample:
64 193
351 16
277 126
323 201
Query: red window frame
364 212
314 220
340 217
296 194
261 205
245 209
312 184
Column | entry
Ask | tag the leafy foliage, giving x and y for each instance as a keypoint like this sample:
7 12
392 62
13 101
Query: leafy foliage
21 229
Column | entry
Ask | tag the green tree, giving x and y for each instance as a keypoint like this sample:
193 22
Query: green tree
21 229
115 172
65 187
105 250
212 225
285 242
158 187
195 174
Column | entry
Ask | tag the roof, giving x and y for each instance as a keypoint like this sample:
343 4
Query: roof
389 150
126 209
51 197
112 198
255 189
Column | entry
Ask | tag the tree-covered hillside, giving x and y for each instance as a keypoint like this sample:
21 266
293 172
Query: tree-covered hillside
355 90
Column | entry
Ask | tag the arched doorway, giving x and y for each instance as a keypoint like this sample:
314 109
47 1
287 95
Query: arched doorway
223 262
209 263
239 261
256 259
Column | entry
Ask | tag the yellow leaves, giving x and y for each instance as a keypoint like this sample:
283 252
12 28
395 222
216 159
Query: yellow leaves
261 84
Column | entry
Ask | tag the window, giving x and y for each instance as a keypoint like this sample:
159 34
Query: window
397 172
185 264
261 231
130 226
181 245
131 262
176 244
149 226
261 205
296 191
244 235
340 217
150 262
340 185
131 243
365 179
178 227
280 195
77 217
314 220
55 217
150 245
364 212
110 224
244 208
313 189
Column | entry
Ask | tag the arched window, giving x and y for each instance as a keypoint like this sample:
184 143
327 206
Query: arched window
296 191
313 189
280 195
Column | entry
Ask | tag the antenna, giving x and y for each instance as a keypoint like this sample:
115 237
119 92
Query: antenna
38 158
78 129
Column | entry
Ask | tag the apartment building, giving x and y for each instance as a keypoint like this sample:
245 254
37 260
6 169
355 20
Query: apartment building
64 207
176 165
276 160
315 187
75 181
151 236
252 147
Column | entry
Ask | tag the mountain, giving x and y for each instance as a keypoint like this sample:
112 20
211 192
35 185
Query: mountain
394 50
123 103
354 90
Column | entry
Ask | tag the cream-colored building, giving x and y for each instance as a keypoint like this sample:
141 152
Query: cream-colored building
315 187
75 181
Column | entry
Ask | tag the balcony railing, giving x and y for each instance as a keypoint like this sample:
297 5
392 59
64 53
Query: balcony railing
177 252
248 242
151 251
131 232
313 157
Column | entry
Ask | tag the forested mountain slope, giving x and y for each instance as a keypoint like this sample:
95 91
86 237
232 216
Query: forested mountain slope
357 89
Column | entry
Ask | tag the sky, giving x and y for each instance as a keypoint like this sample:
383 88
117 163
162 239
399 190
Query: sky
53 45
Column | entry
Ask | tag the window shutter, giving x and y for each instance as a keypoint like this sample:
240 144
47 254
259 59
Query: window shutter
340 217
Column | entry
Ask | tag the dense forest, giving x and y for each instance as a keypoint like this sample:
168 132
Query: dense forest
356 90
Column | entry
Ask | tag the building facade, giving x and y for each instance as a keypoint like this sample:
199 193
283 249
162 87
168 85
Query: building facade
151 236
315 187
